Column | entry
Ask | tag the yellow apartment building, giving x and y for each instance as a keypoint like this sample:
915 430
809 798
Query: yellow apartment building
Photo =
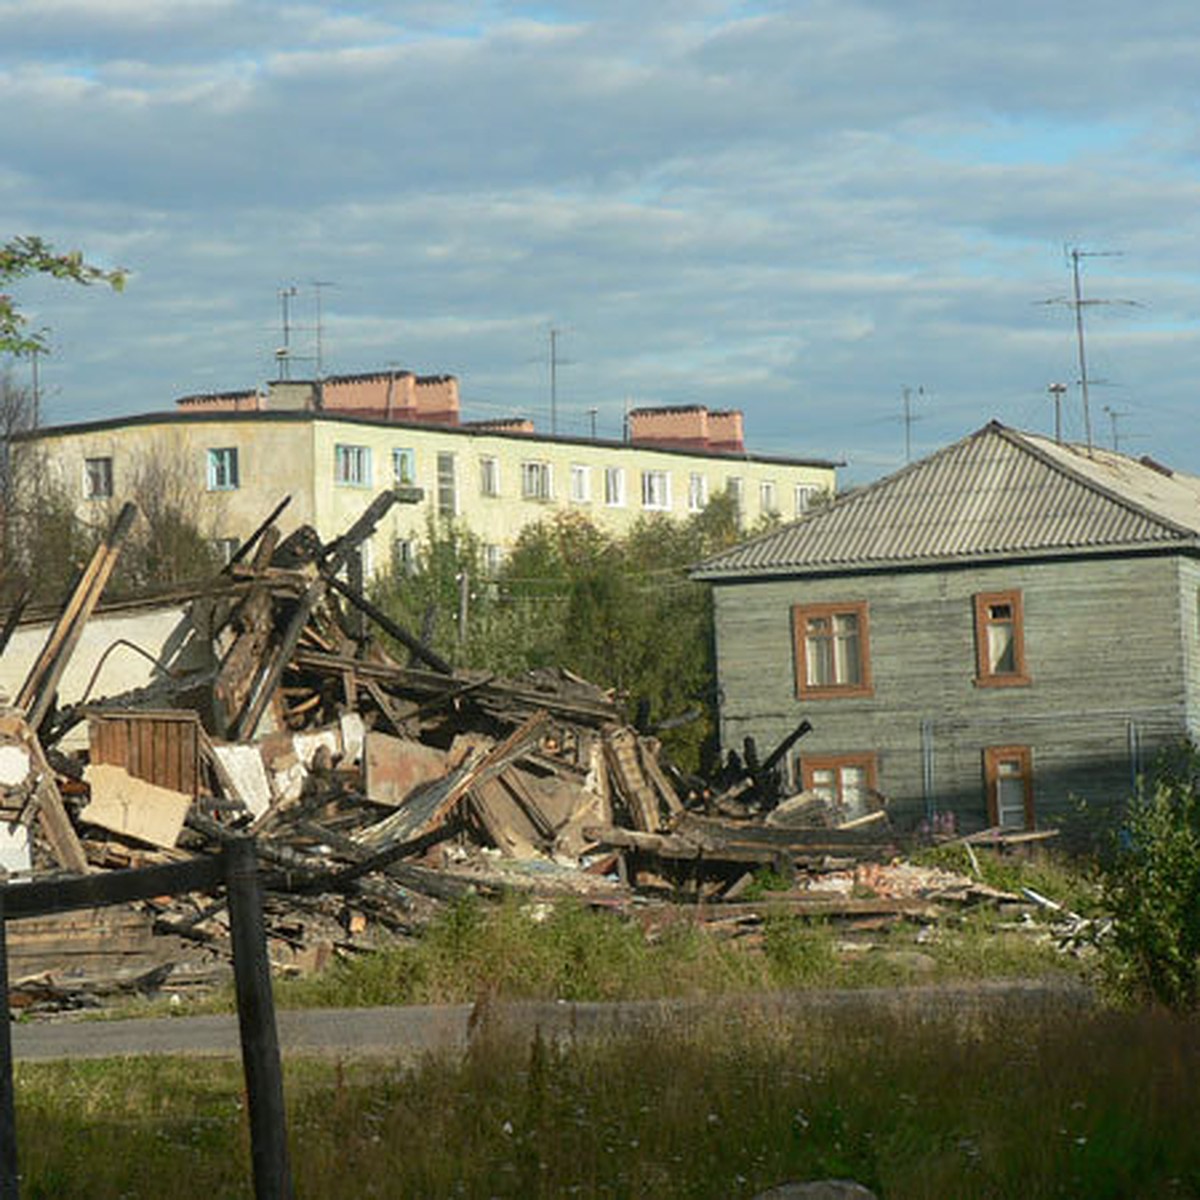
333 445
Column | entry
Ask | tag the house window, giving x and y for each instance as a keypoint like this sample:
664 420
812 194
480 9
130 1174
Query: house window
404 560
846 782
352 465
404 467
447 486
223 469
614 487
581 484
97 478
489 476
226 548
656 490
536 481
697 491
1008 782
803 498
766 498
832 650
999 640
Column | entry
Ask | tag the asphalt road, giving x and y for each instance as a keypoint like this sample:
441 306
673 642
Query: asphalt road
409 1032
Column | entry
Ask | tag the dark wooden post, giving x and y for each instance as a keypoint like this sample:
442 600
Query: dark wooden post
256 1019
10 1185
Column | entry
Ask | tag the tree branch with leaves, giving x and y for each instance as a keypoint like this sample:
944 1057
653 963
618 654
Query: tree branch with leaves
25 256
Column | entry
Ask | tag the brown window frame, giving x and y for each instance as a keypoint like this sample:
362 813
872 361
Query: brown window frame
810 763
992 757
984 675
800 616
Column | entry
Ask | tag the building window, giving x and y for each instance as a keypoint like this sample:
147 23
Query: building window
404 467
1008 781
767 503
223 469
832 650
97 478
697 491
656 490
536 481
803 497
581 484
614 487
846 782
999 640
489 476
404 560
352 465
493 558
226 548
447 486
733 486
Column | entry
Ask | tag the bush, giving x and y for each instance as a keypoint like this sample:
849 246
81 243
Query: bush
1151 886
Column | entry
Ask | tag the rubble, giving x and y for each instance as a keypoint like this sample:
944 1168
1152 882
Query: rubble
377 788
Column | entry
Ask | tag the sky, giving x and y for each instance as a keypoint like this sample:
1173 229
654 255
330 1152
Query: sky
804 210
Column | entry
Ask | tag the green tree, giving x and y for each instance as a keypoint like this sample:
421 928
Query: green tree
24 256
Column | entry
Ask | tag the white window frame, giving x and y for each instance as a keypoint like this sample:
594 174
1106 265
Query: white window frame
489 475
223 469
351 465
581 484
404 466
102 475
802 497
614 487
447 484
493 558
537 480
404 556
226 548
656 490
768 502
697 491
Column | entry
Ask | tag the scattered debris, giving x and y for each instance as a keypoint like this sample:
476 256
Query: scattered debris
376 788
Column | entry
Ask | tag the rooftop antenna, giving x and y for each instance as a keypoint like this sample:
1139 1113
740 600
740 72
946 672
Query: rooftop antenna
1113 416
318 285
284 354
555 363
1057 392
909 419
1078 304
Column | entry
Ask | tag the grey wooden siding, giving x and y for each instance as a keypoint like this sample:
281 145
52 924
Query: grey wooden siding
1111 646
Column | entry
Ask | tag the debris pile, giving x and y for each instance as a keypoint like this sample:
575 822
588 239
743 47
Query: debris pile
375 788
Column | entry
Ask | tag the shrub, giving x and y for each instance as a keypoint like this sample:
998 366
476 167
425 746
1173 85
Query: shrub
1151 886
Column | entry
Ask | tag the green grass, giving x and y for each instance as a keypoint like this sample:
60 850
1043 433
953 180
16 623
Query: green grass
1042 1102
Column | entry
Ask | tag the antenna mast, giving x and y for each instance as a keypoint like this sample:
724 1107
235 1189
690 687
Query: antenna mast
318 285
909 419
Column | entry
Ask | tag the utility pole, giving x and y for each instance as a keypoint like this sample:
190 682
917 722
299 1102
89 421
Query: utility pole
908 420
1057 391
592 414
554 379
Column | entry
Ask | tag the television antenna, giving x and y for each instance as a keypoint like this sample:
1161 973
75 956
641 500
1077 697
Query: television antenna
909 419
1077 303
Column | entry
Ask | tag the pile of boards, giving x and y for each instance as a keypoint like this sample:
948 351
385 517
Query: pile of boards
377 780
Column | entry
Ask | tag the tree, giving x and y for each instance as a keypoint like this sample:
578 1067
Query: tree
24 256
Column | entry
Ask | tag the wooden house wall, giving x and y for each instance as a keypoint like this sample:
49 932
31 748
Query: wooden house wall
1112 648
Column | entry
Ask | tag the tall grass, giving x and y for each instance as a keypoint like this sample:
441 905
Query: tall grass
523 950
1045 1102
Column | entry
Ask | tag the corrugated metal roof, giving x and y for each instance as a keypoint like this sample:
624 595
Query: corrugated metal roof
996 493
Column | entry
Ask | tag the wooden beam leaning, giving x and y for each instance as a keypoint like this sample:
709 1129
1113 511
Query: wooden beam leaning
39 687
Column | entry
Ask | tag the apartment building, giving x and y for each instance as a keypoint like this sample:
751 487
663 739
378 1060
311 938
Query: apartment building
335 444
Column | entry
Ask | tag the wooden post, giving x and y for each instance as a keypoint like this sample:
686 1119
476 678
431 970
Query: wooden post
10 1185
256 1020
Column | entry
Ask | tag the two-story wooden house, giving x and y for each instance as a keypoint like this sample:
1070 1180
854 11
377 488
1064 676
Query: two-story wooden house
994 631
